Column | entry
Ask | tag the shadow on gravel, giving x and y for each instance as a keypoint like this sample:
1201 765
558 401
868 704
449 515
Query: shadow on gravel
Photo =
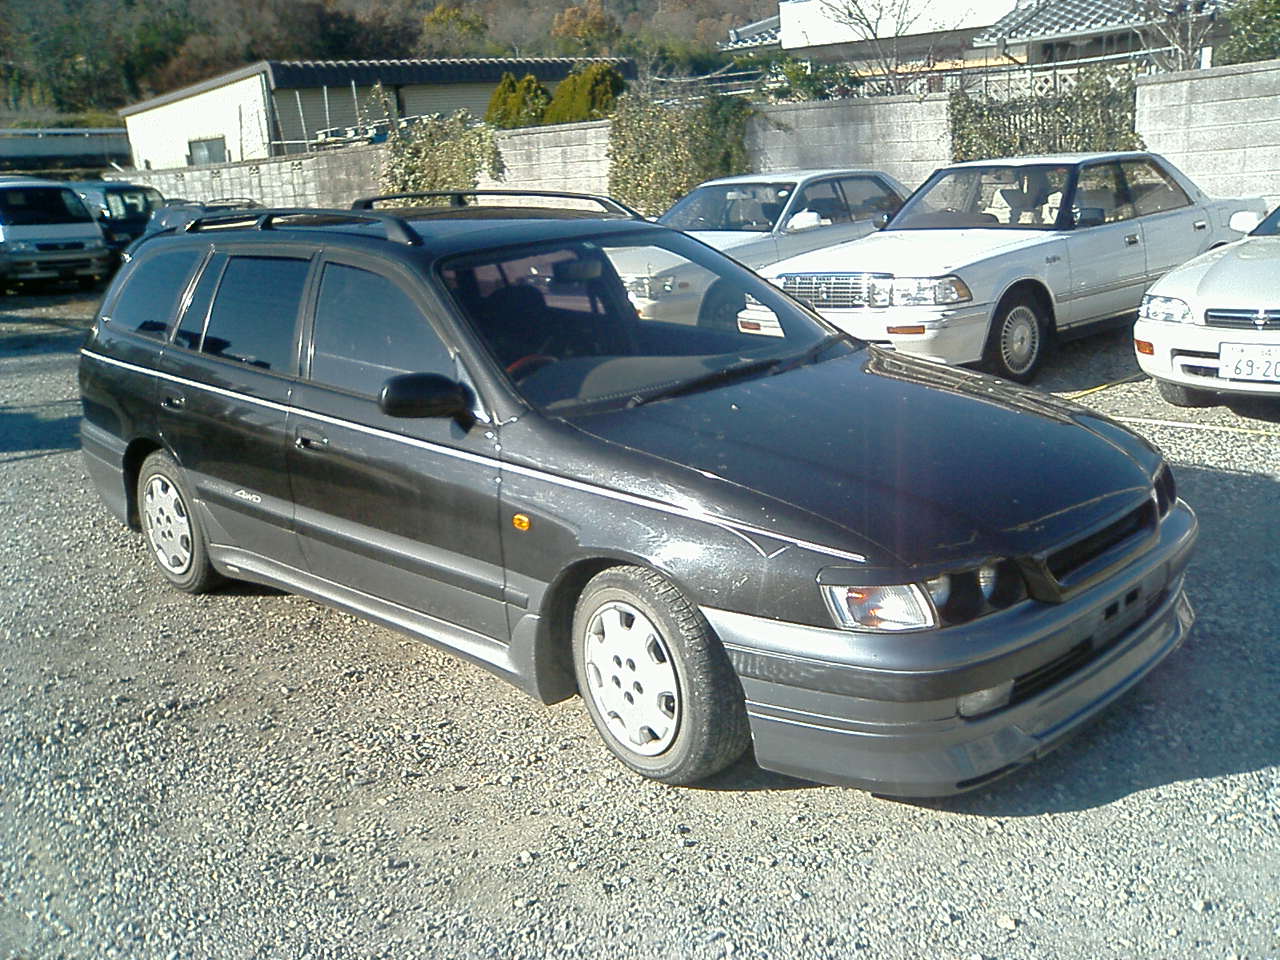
1256 408
745 775
1211 709
37 430
1090 361
42 342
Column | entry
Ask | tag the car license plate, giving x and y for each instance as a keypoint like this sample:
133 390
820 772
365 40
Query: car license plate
1250 361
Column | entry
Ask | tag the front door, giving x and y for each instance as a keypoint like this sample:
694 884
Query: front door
404 510
1106 249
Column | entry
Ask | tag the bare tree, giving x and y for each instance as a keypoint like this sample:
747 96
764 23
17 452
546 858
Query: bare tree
883 25
1175 31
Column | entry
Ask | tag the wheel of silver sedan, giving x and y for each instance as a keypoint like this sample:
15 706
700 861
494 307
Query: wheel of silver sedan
167 524
1018 339
631 678
173 532
656 681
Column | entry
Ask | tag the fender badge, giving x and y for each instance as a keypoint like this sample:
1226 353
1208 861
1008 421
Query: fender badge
521 522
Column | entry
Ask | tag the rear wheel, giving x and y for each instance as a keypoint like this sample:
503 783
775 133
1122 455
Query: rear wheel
1180 396
173 532
656 681
720 309
1018 339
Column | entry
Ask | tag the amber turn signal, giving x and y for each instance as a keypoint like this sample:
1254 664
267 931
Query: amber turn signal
1144 347
906 330
520 522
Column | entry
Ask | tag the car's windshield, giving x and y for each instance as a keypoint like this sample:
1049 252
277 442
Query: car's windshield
134 204
625 319
997 196
24 206
1269 227
752 207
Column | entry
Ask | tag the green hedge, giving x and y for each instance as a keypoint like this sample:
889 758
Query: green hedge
1097 114
589 94
515 103
440 153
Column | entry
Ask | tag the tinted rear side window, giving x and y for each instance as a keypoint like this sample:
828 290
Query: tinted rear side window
255 312
151 294
367 329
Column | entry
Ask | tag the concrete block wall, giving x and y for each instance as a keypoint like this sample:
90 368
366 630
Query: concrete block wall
907 137
570 156
1219 126
332 178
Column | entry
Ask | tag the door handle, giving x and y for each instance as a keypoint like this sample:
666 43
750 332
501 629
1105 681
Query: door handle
310 441
1131 240
173 401
1200 225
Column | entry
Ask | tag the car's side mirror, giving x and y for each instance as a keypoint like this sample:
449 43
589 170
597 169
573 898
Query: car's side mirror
804 220
1243 221
1091 217
880 220
416 395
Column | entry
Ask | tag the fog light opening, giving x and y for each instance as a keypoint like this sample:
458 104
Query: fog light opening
984 701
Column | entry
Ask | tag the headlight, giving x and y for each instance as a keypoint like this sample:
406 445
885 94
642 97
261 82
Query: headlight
889 609
20 246
1165 309
95 244
929 291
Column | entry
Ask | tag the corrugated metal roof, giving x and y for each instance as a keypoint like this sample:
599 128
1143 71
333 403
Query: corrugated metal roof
303 74
291 74
1046 19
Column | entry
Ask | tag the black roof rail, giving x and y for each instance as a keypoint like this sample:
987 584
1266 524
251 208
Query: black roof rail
457 198
398 230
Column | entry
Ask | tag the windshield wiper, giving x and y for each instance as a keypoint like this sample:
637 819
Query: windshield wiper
733 371
812 353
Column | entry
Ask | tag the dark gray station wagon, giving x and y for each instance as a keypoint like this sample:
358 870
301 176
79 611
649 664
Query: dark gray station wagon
455 422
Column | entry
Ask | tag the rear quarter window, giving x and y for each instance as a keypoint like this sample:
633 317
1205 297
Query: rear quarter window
151 293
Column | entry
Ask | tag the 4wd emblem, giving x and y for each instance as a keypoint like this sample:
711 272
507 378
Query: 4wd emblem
246 495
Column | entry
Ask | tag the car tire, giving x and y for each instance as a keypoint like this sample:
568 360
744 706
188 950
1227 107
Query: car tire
1180 396
656 681
172 531
720 309
1018 339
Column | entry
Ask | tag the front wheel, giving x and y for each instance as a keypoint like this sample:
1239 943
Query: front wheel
1018 339
720 309
656 681
1180 396
172 531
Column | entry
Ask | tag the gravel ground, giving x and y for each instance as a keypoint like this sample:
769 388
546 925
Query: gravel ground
253 775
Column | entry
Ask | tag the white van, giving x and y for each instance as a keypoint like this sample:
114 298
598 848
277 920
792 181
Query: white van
47 233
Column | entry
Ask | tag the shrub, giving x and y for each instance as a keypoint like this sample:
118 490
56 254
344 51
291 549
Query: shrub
589 94
440 153
517 104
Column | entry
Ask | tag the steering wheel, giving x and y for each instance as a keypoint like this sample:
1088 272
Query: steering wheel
529 364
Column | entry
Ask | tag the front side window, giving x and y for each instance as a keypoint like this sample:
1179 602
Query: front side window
1151 189
255 312
367 329
819 204
1023 197
150 295
868 197
622 320
752 207
132 204
27 206
1100 196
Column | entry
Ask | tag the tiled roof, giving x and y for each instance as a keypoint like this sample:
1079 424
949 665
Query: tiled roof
762 33
1044 19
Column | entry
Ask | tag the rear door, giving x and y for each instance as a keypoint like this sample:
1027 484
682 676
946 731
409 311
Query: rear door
1173 228
404 510
227 380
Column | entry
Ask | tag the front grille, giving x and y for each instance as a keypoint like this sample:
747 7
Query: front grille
834 290
64 245
1137 523
1242 319
1046 675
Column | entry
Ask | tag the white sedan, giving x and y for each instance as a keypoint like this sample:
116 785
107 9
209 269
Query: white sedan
1212 326
989 259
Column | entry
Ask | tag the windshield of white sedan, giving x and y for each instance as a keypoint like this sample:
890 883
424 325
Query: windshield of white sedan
1269 227
1010 197
631 319
752 207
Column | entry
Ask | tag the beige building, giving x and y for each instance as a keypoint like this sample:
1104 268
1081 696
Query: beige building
275 107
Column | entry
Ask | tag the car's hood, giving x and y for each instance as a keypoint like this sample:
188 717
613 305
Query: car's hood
729 239
1244 274
909 462
911 252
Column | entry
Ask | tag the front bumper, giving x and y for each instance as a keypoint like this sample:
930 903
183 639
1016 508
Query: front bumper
1190 354
55 265
952 334
822 708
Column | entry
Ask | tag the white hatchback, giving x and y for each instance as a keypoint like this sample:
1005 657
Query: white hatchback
1212 326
